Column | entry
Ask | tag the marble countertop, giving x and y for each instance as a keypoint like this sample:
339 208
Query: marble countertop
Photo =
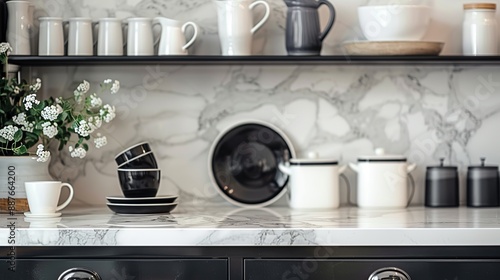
230 226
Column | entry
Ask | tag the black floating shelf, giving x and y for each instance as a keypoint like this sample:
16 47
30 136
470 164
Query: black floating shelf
250 60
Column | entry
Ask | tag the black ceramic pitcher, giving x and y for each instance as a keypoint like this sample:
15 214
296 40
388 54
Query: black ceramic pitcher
303 34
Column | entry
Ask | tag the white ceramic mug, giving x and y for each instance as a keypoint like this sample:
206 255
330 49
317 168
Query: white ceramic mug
110 37
51 36
43 196
140 36
80 37
172 38
235 23
18 27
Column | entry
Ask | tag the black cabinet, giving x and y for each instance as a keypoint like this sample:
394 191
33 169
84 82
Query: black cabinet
254 262
123 269
348 269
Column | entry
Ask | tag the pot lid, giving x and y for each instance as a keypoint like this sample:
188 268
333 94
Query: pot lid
482 166
313 159
441 167
381 156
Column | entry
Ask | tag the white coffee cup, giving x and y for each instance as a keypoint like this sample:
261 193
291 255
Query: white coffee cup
110 37
172 38
235 23
140 36
43 196
51 38
80 38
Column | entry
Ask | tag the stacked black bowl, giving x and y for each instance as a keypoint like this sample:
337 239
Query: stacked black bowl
139 178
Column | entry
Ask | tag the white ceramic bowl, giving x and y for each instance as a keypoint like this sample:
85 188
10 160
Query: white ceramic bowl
394 22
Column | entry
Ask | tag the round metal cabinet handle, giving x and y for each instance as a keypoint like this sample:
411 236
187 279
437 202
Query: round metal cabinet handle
389 273
79 274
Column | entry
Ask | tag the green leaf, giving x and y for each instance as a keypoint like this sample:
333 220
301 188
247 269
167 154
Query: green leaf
20 150
18 135
3 140
64 116
85 146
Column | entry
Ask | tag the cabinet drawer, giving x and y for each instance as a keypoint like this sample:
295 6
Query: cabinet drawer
322 269
123 269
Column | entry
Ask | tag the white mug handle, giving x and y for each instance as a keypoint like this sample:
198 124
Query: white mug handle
266 15
195 34
70 197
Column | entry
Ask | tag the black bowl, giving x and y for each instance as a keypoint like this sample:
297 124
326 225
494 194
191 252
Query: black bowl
144 161
139 182
132 152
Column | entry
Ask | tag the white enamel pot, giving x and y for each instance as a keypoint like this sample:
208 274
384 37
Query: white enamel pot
383 181
314 183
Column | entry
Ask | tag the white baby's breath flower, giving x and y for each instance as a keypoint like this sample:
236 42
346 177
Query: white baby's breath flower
77 152
116 87
37 85
78 96
108 81
8 132
58 100
5 48
83 129
30 100
94 123
49 130
83 87
51 113
20 119
43 156
95 101
100 141
107 113
16 89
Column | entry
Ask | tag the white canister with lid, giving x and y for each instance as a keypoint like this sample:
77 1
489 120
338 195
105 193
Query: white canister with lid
480 29
314 182
382 180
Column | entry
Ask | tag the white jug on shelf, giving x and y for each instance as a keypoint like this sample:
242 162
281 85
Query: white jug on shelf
172 38
18 27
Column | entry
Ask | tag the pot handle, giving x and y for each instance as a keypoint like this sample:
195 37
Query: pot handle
412 186
354 167
348 185
411 167
285 168
342 169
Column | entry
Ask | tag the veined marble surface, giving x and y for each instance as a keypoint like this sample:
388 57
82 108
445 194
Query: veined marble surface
340 112
229 226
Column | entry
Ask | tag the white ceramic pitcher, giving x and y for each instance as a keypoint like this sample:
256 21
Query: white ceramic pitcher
18 27
173 40
235 23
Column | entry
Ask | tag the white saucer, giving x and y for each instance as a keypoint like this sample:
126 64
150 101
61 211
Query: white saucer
51 215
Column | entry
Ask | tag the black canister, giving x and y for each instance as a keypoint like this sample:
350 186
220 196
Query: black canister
441 186
482 186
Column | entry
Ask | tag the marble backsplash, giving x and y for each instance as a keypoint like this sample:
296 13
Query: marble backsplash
423 112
